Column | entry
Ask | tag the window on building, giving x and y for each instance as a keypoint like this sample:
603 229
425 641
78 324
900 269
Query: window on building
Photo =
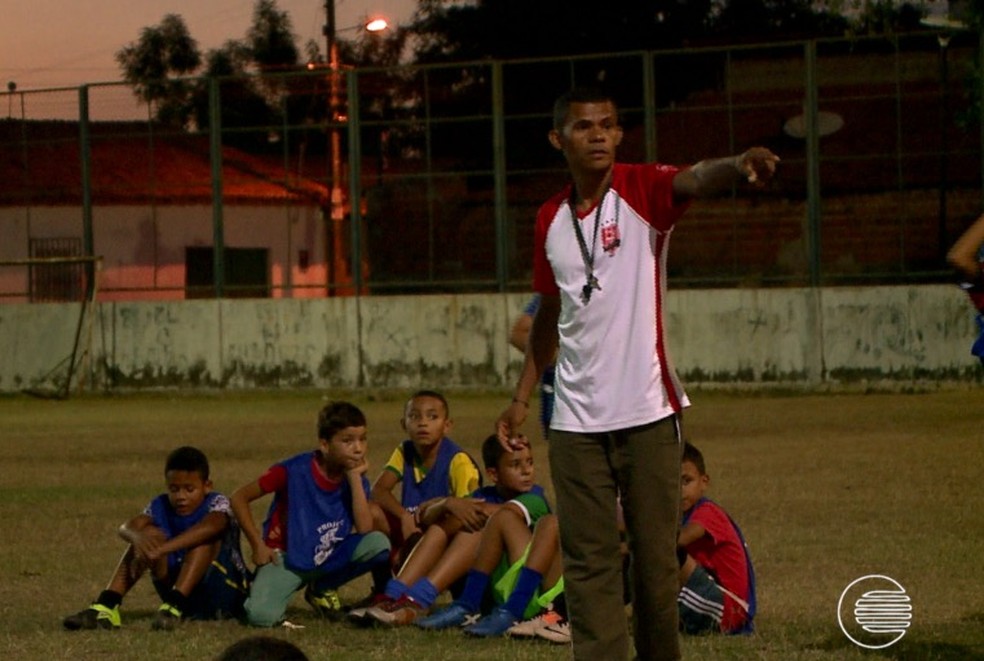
56 282
246 272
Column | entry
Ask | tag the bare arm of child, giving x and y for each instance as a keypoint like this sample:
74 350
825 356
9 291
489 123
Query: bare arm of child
963 255
382 495
361 514
471 512
140 533
240 500
209 529
690 533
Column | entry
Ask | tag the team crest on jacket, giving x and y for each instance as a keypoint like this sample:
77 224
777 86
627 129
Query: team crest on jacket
610 238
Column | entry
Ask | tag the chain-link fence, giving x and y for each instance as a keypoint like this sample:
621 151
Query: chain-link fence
245 186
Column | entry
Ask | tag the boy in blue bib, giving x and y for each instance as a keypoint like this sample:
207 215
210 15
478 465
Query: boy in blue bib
426 466
318 531
189 541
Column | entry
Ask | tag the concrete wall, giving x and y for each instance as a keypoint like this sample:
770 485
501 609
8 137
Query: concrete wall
734 336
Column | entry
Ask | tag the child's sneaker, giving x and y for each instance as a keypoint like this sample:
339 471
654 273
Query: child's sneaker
529 628
95 616
397 613
495 623
358 613
166 618
454 615
558 632
327 604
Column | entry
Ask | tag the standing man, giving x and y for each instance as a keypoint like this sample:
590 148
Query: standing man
599 266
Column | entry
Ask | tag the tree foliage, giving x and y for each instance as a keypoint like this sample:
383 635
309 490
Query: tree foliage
161 63
271 38
154 64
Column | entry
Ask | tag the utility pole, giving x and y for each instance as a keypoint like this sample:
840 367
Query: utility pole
338 273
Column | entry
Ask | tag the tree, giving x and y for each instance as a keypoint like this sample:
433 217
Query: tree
270 38
159 65
153 66
243 104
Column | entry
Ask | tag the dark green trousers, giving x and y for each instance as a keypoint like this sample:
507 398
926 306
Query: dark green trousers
589 471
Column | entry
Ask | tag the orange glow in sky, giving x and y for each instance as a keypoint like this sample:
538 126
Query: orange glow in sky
66 43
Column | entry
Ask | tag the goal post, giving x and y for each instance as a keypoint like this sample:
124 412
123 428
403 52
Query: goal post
53 280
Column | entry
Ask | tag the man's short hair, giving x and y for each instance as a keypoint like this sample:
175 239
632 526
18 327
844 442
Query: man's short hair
562 106
336 416
189 459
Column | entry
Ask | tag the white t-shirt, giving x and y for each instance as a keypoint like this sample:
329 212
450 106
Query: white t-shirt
612 368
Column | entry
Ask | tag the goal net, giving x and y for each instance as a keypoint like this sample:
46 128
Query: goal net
49 339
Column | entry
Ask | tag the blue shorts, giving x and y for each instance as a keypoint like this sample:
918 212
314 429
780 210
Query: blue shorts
219 595
700 603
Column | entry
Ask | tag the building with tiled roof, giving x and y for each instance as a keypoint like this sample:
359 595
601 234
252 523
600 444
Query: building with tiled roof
153 217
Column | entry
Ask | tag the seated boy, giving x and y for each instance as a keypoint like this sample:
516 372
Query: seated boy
428 464
515 563
717 580
449 545
189 541
318 531
518 554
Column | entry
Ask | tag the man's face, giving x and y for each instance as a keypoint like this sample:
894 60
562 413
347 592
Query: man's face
589 137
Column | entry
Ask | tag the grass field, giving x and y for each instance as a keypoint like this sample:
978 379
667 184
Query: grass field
827 488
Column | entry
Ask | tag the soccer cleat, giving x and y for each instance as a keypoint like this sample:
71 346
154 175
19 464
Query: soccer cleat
496 623
558 632
454 615
528 628
327 604
358 614
166 618
397 613
95 616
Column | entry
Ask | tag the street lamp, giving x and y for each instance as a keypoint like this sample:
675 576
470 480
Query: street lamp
339 270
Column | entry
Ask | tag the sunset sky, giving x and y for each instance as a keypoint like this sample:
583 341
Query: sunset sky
65 43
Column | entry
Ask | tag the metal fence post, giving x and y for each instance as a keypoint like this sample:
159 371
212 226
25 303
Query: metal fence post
649 104
215 149
355 179
980 101
813 213
85 157
499 176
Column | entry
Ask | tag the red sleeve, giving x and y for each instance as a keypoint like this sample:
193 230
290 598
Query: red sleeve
715 524
648 188
544 281
275 479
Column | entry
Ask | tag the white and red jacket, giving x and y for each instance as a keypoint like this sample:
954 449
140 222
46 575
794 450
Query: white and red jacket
612 367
